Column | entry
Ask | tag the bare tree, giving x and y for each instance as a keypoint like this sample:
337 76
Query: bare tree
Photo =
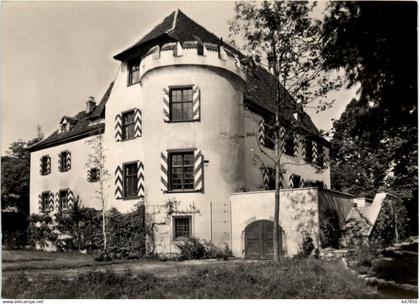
97 172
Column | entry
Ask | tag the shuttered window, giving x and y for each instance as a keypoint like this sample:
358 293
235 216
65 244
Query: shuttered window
289 147
63 199
181 103
64 160
308 149
45 202
181 171
45 165
130 180
128 125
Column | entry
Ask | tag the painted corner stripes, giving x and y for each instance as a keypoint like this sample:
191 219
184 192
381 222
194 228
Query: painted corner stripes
166 104
163 171
196 102
118 182
118 127
198 170
140 179
137 123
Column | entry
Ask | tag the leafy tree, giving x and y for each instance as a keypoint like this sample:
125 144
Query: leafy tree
283 35
375 141
15 171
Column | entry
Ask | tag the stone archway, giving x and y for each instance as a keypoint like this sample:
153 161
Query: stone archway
259 240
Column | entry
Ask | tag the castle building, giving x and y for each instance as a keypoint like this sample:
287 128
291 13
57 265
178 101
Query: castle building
185 120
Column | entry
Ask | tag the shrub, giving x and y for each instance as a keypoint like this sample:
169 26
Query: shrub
102 256
81 229
191 249
330 229
363 255
306 247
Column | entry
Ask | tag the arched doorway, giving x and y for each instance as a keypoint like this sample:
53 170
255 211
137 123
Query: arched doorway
259 240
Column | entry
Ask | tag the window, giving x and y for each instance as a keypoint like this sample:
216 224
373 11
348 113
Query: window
270 137
63 201
93 175
133 71
45 206
181 103
289 147
182 227
296 181
181 171
130 180
45 168
308 149
128 125
64 163
320 155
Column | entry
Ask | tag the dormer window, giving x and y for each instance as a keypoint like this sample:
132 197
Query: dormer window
66 124
133 71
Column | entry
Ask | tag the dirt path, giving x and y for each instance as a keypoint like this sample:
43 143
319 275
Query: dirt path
160 269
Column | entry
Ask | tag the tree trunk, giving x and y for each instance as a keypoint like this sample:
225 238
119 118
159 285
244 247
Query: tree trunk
104 225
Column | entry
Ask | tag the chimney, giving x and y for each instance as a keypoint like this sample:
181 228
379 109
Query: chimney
90 104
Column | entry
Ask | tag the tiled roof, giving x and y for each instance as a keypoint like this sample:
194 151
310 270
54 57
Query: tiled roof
261 85
178 27
83 126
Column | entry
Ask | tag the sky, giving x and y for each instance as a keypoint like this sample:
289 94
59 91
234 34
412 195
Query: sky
54 55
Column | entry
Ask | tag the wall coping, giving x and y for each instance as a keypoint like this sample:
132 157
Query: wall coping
192 53
272 191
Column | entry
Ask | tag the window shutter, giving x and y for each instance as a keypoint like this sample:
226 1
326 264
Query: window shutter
261 132
68 160
59 162
40 166
314 151
196 103
302 183
140 178
198 170
70 199
166 104
48 164
303 144
40 202
118 182
163 171
291 181
118 127
282 133
88 175
57 201
51 201
137 123
266 177
295 145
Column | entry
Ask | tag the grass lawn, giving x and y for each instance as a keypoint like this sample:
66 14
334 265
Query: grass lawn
292 278
13 260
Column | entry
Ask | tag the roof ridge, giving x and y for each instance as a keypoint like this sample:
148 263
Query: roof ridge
176 12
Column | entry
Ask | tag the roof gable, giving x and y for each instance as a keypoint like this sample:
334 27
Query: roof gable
177 27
